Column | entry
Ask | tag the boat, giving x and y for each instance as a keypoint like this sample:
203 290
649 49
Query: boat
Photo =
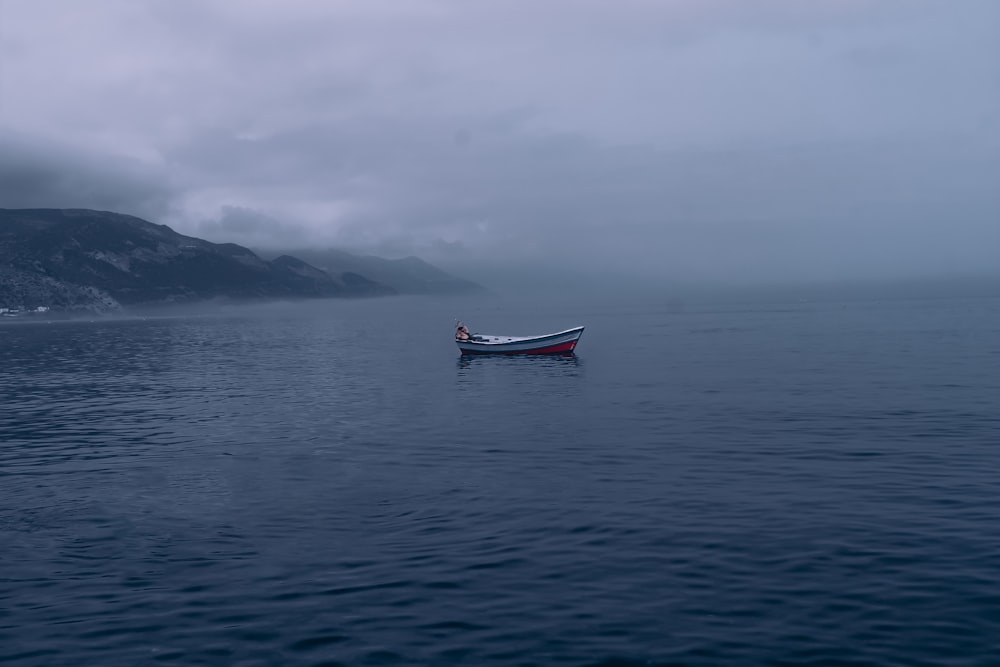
563 342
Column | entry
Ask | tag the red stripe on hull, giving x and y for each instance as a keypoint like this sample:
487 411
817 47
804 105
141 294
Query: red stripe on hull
561 348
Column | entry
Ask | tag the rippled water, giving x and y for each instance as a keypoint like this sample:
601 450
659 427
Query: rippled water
329 483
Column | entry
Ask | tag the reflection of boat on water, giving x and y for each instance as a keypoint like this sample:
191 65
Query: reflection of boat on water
548 364
563 342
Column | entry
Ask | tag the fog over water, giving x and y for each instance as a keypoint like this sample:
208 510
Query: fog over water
684 141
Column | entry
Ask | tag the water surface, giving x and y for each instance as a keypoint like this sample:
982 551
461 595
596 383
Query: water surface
330 483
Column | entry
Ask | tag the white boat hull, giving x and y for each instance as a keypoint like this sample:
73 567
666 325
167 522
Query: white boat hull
563 342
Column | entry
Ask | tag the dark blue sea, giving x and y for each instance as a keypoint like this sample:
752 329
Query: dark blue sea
329 483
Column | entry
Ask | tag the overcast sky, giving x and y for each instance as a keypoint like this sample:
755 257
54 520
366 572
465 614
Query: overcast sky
695 139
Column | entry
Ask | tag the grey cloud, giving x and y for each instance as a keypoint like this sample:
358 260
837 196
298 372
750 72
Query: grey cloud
866 207
253 229
679 139
35 173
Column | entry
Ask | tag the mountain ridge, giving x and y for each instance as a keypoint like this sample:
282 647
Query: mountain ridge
99 261
406 275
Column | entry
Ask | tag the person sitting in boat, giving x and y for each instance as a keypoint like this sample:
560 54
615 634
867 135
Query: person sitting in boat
462 332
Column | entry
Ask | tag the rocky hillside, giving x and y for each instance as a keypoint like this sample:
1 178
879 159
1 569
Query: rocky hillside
96 260
409 275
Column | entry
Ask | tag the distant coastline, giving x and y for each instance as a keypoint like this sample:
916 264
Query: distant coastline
88 261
